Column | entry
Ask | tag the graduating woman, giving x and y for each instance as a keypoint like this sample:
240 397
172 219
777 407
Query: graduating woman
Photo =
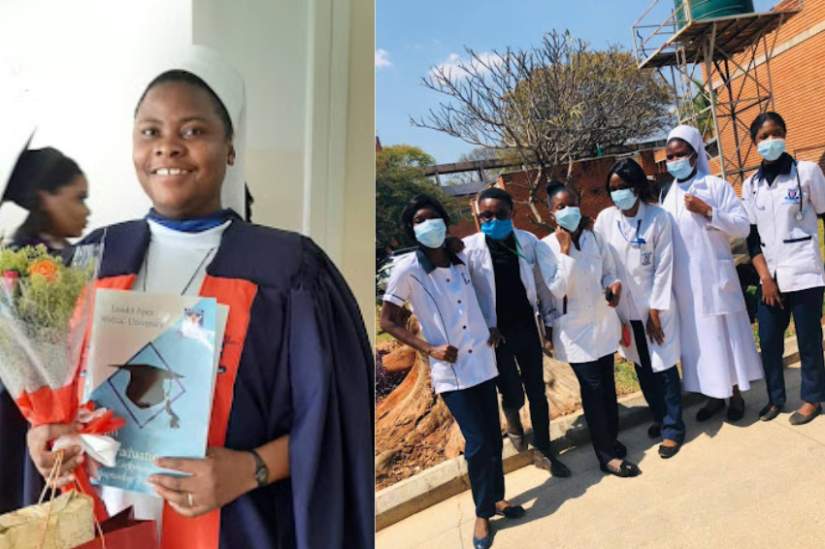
53 189
783 199
640 236
587 330
290 457
717 349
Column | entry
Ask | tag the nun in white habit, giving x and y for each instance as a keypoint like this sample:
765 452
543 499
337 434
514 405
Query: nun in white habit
717 348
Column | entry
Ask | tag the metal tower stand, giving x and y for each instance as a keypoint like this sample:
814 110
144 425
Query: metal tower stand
719 70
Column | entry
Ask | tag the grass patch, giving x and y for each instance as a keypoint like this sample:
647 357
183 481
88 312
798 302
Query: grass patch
626 380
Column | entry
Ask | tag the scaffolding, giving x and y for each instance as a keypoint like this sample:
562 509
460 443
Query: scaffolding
718 69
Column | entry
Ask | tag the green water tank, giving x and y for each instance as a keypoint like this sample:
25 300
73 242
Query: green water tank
708 9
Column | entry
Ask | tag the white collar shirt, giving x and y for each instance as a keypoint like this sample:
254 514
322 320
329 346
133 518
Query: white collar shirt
444 301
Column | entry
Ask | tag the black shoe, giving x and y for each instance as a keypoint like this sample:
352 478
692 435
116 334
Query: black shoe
512 512
551 463
712 407
626 470
802 419
769 412
666 452
654 431
620 450
484 543
736 409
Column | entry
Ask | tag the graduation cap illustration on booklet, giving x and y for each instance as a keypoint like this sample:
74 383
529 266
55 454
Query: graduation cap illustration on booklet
147 386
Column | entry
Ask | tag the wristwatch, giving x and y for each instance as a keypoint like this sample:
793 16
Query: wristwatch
261 470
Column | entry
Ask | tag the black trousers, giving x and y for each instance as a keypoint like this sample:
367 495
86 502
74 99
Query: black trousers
475 409
521 370
601 410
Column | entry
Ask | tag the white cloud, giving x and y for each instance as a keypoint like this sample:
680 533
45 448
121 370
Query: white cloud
452 67
382 59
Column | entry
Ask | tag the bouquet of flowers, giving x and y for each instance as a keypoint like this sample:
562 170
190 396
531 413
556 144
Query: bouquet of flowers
45 309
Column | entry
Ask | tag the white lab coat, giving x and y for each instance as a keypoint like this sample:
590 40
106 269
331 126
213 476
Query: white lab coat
646 271
537 266
716 339
790 245
587 328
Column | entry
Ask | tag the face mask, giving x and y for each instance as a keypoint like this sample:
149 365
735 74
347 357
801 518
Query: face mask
624 199
771 149
680 169
431 233
569 218
497 229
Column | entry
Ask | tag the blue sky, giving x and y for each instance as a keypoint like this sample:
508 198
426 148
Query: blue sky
412 37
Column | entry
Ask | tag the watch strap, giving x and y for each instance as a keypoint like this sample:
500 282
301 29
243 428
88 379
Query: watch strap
261 470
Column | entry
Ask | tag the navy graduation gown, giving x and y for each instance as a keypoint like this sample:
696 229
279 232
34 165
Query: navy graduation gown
306 369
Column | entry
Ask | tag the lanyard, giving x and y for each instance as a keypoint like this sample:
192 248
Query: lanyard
637 241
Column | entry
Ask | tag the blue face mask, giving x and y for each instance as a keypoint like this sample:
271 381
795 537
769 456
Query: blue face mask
569 218
497 229
680 169
431 233
624 199
771 149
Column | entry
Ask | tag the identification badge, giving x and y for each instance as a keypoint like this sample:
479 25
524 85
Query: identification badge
792 197
647 258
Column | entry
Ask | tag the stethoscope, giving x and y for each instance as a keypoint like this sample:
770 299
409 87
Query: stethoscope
798 215
638 241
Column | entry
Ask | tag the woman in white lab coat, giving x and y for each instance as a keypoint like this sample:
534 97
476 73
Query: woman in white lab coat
784 198
587 331
640 236
717 349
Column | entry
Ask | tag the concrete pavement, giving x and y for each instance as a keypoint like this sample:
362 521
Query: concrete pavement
751 484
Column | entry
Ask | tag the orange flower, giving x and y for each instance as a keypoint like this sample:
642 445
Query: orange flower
44 267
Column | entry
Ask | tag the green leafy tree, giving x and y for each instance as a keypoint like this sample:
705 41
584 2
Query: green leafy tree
399 174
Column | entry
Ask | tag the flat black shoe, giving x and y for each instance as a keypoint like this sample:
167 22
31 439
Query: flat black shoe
551 463
620 450
626 470
710 409
736 411
483 543
512 512
802 419
769 412
666 452
654 431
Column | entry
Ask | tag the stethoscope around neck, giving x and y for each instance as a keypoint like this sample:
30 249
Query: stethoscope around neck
799 215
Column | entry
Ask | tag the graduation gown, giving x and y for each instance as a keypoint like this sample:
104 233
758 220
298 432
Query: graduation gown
296 360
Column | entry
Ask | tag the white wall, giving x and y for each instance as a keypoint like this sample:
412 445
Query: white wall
308 67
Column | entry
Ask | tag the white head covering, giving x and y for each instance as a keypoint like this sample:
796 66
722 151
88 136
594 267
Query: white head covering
228 85
692 136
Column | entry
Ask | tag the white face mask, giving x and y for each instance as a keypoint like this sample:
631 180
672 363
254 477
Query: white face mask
431 233
771 149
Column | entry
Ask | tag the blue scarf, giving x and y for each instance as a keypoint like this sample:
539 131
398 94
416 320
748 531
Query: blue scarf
195 224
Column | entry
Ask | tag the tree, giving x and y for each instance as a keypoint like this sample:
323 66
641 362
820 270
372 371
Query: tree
552 104
399 176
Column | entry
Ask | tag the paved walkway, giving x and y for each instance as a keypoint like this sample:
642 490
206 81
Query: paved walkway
752 484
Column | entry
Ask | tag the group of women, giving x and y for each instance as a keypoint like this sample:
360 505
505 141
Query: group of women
652 278
289 462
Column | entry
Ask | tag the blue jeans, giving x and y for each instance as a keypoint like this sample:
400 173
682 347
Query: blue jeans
806 308
475 409
662 390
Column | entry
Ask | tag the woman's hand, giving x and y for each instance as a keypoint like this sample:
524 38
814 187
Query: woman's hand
697 205
616 291
654 327
220 478
447 353
39 440
770 293
495 338
565 240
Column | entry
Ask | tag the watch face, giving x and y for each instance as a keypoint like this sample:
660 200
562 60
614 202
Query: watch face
261 474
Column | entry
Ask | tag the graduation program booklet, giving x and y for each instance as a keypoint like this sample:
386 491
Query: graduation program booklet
153 361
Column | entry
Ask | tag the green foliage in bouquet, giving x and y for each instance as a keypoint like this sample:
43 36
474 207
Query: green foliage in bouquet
42 291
